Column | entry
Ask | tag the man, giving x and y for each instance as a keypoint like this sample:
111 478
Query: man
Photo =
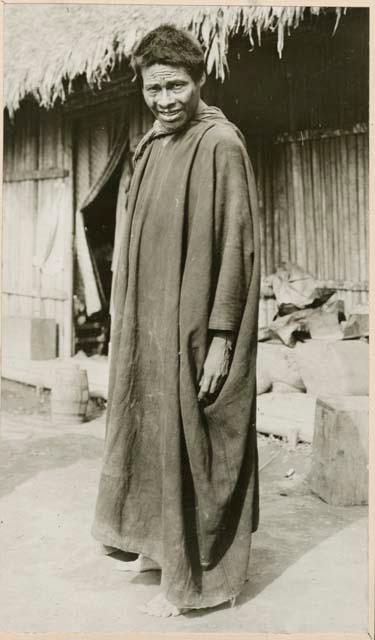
179 485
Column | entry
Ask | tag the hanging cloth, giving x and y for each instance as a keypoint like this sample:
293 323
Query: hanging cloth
94 295
117 151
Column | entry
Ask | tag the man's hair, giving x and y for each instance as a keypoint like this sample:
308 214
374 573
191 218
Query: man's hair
169 45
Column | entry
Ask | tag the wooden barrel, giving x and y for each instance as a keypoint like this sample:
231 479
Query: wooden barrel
69 393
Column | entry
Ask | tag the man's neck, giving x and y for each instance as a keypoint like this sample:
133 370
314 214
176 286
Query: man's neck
201 107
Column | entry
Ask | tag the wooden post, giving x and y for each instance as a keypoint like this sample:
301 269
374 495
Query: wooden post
67 342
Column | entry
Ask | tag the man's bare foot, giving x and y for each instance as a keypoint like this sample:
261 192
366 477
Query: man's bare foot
140 565
161 607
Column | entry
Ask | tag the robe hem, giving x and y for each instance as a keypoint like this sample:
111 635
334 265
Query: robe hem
129 547
125 545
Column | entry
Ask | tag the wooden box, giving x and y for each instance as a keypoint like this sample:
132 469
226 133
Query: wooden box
29 338
340 450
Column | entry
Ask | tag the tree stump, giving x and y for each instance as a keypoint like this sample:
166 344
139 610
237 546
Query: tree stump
340 450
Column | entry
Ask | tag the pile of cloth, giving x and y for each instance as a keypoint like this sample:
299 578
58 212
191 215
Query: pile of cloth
311 345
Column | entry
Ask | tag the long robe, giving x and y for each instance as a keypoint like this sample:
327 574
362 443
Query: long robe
179 482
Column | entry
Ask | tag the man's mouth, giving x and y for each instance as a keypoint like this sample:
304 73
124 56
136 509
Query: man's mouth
170 115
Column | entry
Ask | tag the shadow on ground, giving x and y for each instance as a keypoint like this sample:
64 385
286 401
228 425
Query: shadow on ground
293 522
22 459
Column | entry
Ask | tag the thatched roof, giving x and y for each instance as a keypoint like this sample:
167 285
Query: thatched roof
47 46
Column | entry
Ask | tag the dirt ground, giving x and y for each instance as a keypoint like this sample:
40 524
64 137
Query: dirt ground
309 559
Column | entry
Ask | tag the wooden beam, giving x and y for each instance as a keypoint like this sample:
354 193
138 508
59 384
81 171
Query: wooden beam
339 285
343 285
36 174
88 99
52 295
313 134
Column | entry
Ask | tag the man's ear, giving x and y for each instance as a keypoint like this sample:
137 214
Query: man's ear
203 79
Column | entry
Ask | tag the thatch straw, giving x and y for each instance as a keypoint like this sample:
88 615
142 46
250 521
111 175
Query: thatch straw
47 46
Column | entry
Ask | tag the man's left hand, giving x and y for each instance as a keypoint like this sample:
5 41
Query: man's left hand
216 366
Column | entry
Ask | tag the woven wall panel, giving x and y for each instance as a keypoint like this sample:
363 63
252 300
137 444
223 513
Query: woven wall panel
35 141
313 198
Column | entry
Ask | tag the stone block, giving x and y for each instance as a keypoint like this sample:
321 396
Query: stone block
290 415
334 368
340 451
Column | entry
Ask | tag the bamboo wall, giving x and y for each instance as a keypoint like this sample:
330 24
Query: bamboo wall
50 162
313 196
37 187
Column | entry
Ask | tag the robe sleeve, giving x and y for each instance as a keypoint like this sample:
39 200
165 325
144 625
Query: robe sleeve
233 251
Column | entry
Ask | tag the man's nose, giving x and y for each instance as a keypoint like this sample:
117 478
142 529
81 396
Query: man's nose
166 99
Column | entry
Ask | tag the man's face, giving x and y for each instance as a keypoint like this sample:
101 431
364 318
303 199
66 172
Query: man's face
171 94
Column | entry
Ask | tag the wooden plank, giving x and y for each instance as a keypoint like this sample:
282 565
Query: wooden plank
311 244
281 232
344 285
316 195
34 268
15 262
362 239
51 221
290 202
110 94
345 207
270 221
66 324
36 174
318 134
362 178
49 309
334 222
26 256
53 127
354 244
322 203
298 192
52 295
366 190
340 238
327 211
